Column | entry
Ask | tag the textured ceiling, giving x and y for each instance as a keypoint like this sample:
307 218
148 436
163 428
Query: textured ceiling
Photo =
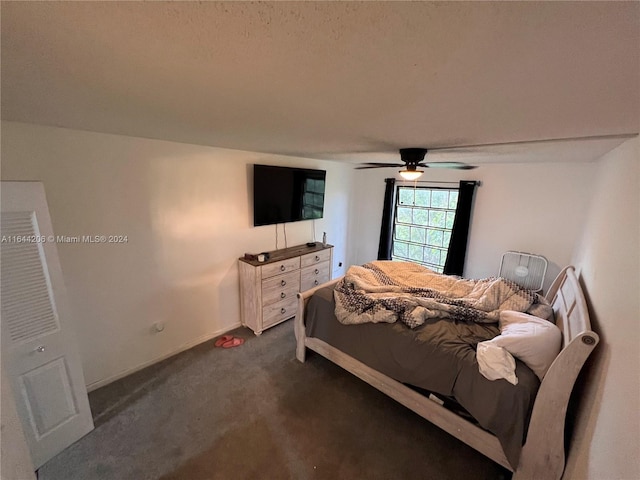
333 80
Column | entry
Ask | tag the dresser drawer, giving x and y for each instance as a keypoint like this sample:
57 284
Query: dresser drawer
278 268
315 257
279 311
314 275
280 287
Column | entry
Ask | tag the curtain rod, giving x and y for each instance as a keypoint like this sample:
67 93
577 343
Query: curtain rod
477 182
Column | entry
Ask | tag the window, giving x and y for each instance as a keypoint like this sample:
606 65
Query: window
312 198
422 225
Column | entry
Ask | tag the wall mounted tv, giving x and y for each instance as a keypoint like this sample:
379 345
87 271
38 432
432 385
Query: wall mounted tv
283 194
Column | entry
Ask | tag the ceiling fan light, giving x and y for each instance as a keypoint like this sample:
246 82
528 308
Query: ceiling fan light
411 174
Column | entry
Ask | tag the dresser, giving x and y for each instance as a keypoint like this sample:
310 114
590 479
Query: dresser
268 290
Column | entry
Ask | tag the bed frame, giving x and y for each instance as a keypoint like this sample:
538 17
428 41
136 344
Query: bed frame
543 453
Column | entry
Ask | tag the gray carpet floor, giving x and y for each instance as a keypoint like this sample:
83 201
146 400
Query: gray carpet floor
255 412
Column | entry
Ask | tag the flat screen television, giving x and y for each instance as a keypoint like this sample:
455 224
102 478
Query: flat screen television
284 194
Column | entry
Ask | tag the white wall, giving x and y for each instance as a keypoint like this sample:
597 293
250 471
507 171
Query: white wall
525 207
187 214
607 435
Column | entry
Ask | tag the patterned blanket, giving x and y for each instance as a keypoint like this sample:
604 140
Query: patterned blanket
386 291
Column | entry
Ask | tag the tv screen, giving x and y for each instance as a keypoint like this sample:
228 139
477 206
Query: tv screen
283 194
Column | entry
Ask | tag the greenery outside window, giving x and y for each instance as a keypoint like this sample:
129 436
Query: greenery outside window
422 225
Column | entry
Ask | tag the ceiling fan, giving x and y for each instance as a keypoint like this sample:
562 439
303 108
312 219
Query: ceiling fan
414 158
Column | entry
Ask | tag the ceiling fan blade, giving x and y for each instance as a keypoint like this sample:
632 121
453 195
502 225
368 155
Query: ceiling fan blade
378 165
466 148
370 167
386 149
454 165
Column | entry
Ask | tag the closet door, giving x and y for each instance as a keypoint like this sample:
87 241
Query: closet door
38 350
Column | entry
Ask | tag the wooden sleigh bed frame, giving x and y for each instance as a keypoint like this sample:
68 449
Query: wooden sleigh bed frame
543 455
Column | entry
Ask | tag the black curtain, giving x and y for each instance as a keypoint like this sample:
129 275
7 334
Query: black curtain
460 232
386 230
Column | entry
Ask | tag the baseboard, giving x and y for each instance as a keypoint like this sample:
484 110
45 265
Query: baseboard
181 348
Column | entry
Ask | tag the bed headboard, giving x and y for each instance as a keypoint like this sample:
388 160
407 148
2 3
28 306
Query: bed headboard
570 307
543 451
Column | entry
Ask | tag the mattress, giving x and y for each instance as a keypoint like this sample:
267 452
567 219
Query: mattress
438 357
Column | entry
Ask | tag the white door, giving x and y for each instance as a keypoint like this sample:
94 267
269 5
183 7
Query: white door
38 349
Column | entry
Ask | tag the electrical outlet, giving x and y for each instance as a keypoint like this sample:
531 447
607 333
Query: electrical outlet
339 264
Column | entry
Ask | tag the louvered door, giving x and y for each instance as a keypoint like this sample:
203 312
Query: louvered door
38 351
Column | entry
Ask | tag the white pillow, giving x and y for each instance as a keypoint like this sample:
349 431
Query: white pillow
533 340
495 362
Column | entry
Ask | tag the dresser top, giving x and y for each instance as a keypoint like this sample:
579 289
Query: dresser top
284 253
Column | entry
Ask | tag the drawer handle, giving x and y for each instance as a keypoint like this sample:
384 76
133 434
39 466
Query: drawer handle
315 282
317 271
283 310
283 283
317 258
282 295
282 268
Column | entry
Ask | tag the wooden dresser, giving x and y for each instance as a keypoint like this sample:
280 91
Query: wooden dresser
268 289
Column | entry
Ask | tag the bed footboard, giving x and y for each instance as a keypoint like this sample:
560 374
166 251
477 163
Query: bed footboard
299 325
479 439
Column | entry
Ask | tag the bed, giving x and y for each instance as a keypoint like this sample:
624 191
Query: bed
529 442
